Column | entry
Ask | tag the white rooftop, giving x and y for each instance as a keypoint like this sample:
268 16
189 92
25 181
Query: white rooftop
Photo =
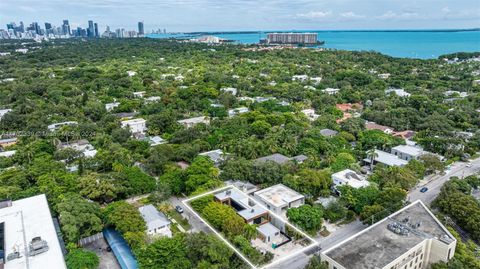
350 178
194 120
278 195
9 153
24 220
152 217
133 121
410 150
387 159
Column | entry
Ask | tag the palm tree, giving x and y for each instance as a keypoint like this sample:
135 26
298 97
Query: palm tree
372 154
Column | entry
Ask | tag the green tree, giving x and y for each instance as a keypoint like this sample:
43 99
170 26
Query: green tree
170 253
306 217
78 217
82 259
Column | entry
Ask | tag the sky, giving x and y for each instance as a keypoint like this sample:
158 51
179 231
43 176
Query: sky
240 15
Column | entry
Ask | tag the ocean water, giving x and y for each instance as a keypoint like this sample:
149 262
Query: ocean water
410 44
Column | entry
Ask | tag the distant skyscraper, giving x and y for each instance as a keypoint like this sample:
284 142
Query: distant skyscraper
95 26
141 30
90 30
66 27
48 28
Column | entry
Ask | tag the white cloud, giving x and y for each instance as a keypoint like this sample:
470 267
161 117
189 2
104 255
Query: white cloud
390 15
446 10
315 15
351 15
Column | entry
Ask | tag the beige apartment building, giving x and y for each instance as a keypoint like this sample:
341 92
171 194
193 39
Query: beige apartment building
411 238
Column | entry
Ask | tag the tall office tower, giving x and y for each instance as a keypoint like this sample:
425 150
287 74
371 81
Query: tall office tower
48 28
66 27
36 28
95 26
141 30
21 28
11 26
90 30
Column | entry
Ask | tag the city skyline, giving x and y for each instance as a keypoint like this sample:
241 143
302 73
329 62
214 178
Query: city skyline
208 15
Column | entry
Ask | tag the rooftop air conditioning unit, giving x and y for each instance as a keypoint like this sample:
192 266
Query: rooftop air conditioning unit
37 246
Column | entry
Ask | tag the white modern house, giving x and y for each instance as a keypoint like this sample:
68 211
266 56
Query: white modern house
135 126
111 106
188 123
398 92
331 91
310 113
157 222
236 111
152 99
408 152
279 198
139 94
82 146
301 78
7 154
350 178
386 158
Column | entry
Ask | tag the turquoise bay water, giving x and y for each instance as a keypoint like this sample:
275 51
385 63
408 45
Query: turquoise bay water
411 44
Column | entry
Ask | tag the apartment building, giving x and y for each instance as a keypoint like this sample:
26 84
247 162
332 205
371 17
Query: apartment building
411 238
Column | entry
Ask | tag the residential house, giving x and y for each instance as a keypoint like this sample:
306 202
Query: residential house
331 91
188 123
7 154
217 156
369 125
279 198
157 222
280 159
131 73
111 106
301 78
310 113
350 178
152 99
328 133
408 152
398 92
407 134
139 94
136 126
386 159
237 111
82 146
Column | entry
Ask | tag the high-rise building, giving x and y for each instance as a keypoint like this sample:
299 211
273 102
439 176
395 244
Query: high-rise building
95 26
141 30
48 28
90 30
66 27
292 38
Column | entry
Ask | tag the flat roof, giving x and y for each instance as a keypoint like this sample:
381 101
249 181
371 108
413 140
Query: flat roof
193 120
387 158
377 246
138 120
410 150
24 220
267 229
352 178
278 195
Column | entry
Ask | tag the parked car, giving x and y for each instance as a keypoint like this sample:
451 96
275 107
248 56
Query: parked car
424 189
179 209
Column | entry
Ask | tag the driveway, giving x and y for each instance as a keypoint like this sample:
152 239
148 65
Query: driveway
196 223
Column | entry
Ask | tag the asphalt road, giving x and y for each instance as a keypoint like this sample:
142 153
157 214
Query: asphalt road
458 169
